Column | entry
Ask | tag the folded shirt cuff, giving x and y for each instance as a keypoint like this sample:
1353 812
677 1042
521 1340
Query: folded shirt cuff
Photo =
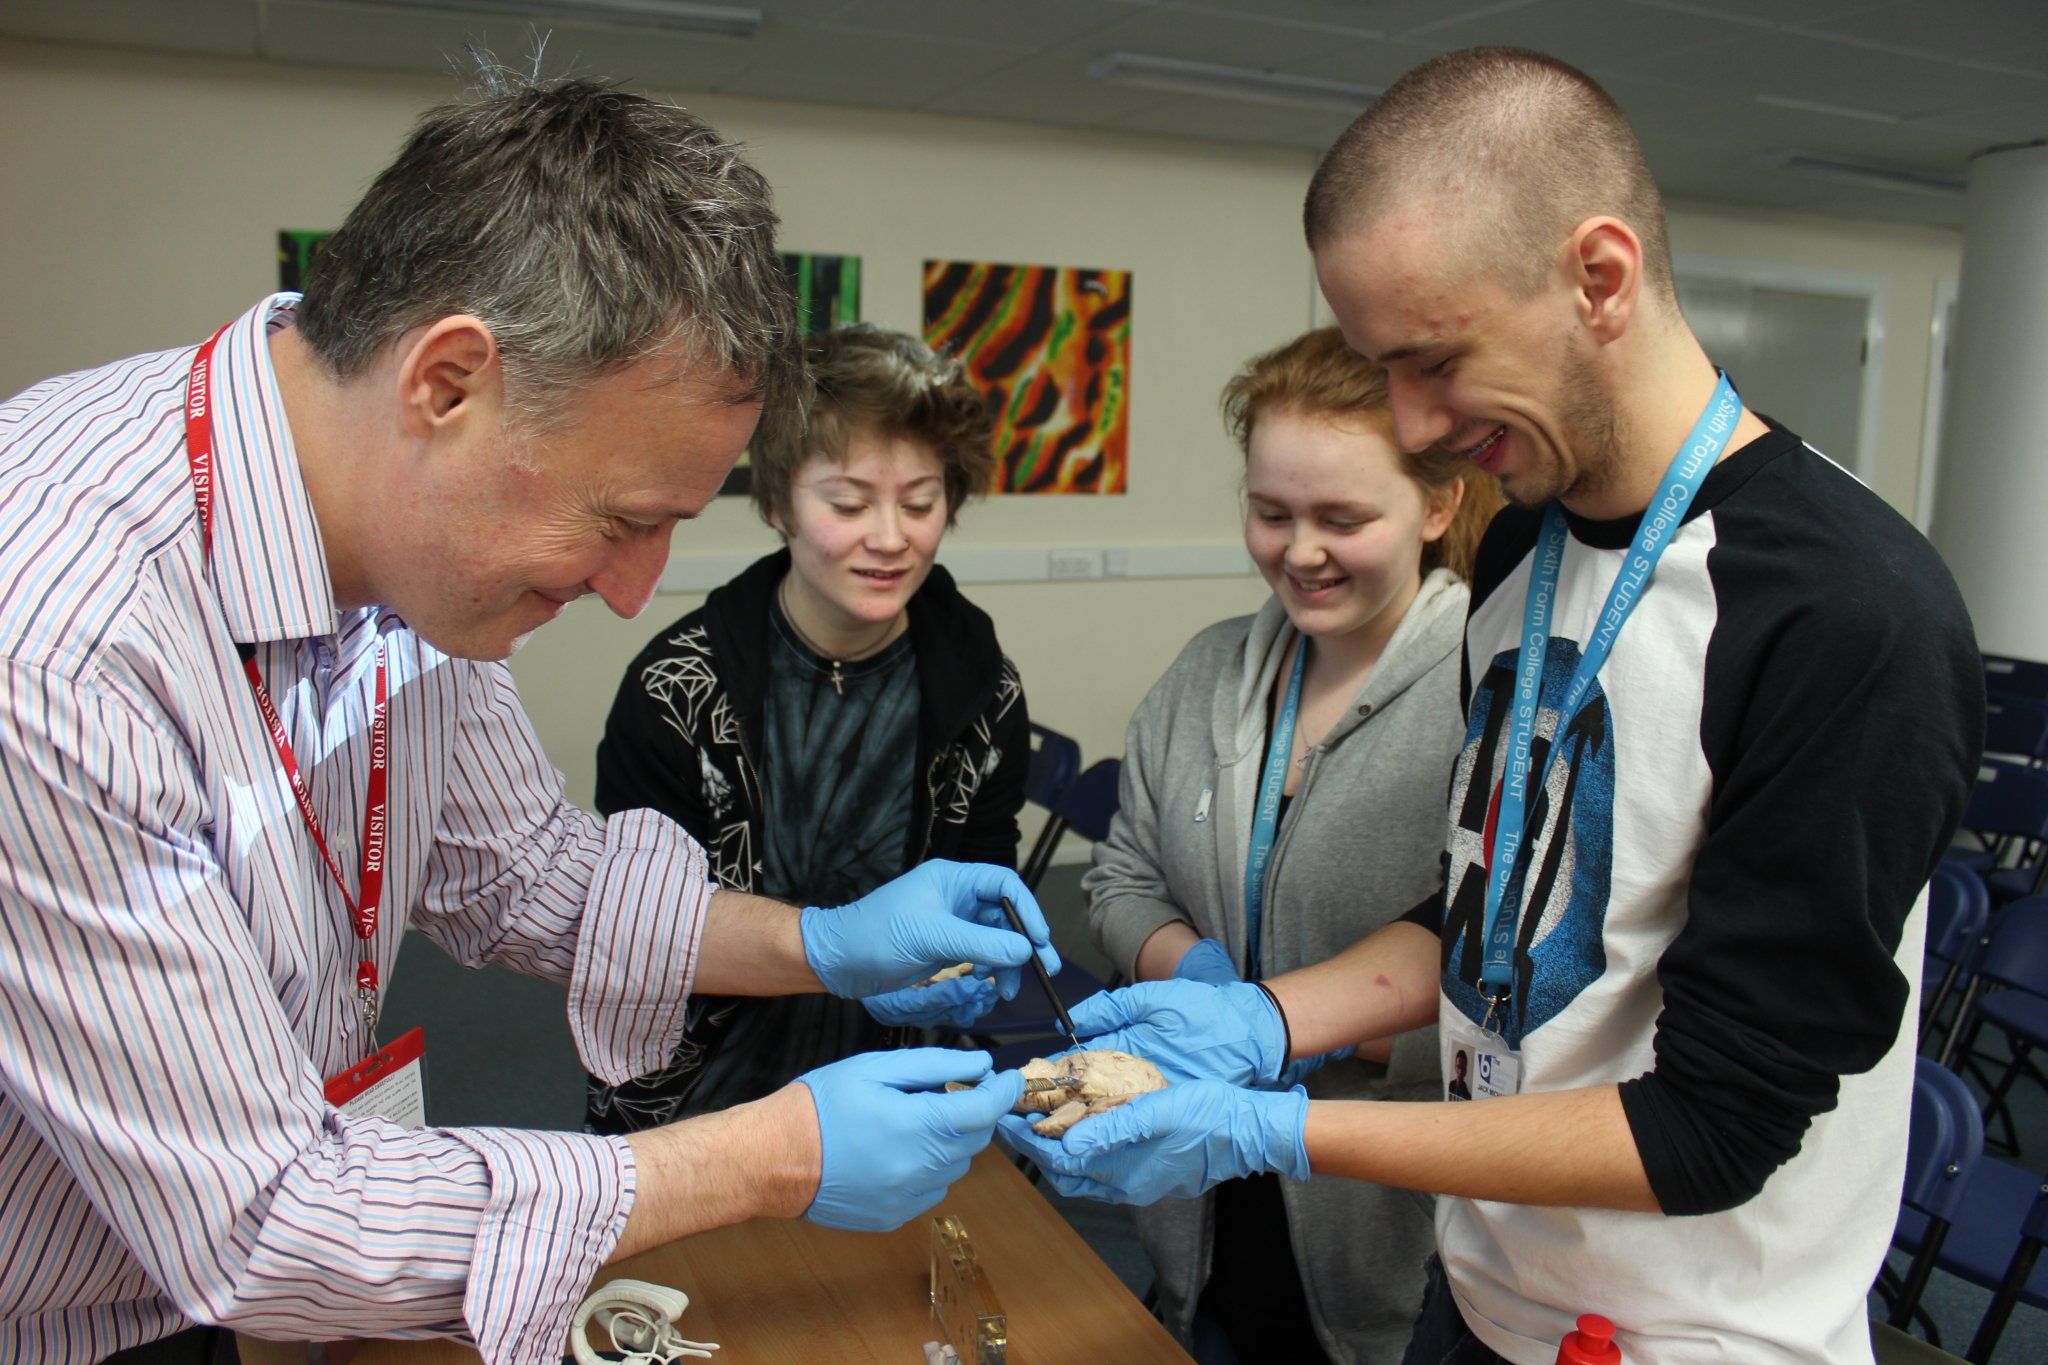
557 1206
636 952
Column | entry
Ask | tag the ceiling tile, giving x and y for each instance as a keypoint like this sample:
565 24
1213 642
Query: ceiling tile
1597 35
1947 77
1804 67
329 34
1769 13
1991 125
2006 33
221 28
1374 62
1054 87
803 62
1224 39
1224 120
1028 25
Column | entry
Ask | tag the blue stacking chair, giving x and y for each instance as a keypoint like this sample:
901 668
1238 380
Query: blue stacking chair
1993 1241
1944 1146
2020 1283
2016 729
2009 992
2005 676
1055 763
2004 833
1958 913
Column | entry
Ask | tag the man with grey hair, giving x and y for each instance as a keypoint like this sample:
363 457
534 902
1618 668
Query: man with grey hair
254 724
1724 713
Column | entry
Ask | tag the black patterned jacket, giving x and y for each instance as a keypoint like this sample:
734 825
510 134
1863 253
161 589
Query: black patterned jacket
686 726
685 731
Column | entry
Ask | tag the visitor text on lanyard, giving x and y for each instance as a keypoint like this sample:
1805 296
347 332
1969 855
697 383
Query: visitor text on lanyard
1688 470
362 907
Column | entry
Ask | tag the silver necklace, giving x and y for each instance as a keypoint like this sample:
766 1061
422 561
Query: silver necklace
838 678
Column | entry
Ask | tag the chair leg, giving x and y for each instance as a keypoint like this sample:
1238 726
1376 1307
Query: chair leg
1995 1105
1992 1327
1921 1269
1964 1018
1930 1016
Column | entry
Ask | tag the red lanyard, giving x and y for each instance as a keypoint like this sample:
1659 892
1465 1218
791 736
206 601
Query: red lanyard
363 910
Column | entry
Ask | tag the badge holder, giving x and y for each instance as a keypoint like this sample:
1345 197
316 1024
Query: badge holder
1478 1064
390 1083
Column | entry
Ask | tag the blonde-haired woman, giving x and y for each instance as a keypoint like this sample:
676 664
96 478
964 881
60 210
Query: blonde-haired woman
1283 796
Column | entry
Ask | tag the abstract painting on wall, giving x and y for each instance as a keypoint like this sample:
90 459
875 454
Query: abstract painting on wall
295 252
1051 347
827 296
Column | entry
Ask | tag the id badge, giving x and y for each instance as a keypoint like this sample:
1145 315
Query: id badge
388 1084
1478 1063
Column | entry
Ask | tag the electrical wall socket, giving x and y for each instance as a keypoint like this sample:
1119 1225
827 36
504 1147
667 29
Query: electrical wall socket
1073 564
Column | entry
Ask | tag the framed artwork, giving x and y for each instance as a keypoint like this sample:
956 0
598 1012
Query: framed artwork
1051 347
827 296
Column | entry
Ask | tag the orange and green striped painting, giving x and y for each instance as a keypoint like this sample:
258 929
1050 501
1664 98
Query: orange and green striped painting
1051 347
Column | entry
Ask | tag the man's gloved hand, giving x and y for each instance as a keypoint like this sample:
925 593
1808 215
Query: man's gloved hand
1172 1143
1210 961
1207 961
891 1140
955 1002
1190 1030
931 917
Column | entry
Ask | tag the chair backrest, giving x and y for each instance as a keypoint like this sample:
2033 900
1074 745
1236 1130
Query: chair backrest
2017 954
1958 908
2016 727
1055 763
1944 1142
2005 676
2009 801
1092 800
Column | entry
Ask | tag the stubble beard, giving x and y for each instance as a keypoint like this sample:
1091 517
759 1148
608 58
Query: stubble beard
1592 430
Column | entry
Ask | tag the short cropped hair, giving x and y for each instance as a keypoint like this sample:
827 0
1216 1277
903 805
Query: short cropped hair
1318 375
588 228
1526 146
866 379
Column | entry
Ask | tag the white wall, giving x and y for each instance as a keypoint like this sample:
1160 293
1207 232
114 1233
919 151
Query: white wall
1908 262
144 194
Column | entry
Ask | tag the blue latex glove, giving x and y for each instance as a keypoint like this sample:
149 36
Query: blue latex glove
955 1002
1210 961
891 1140
931 917
1207 961
1190 1030
1173 1143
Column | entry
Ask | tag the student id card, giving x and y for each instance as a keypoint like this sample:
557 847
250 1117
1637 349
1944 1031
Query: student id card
1478 1063
390 1083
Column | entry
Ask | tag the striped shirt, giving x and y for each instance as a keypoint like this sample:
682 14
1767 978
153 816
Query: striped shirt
176 964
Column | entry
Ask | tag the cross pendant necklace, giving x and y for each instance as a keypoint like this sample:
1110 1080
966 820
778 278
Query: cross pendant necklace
838 677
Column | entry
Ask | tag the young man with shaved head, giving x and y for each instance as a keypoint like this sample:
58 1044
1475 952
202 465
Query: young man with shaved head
1724 710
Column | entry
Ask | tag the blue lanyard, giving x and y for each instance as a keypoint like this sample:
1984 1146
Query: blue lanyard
1266 815
1687 471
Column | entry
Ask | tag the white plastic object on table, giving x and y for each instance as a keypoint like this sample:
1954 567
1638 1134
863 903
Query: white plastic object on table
641 1319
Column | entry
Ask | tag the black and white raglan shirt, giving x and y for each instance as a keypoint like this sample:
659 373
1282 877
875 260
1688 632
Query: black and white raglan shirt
1722 912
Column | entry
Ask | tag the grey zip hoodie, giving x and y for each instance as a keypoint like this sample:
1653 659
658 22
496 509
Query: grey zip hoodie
1360 846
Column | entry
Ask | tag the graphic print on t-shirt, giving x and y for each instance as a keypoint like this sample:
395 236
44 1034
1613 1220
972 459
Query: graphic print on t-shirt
1562 879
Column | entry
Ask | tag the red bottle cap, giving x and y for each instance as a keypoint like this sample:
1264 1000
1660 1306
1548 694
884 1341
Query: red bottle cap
1592 1344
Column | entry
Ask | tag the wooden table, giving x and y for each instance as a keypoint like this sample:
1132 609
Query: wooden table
776 1291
